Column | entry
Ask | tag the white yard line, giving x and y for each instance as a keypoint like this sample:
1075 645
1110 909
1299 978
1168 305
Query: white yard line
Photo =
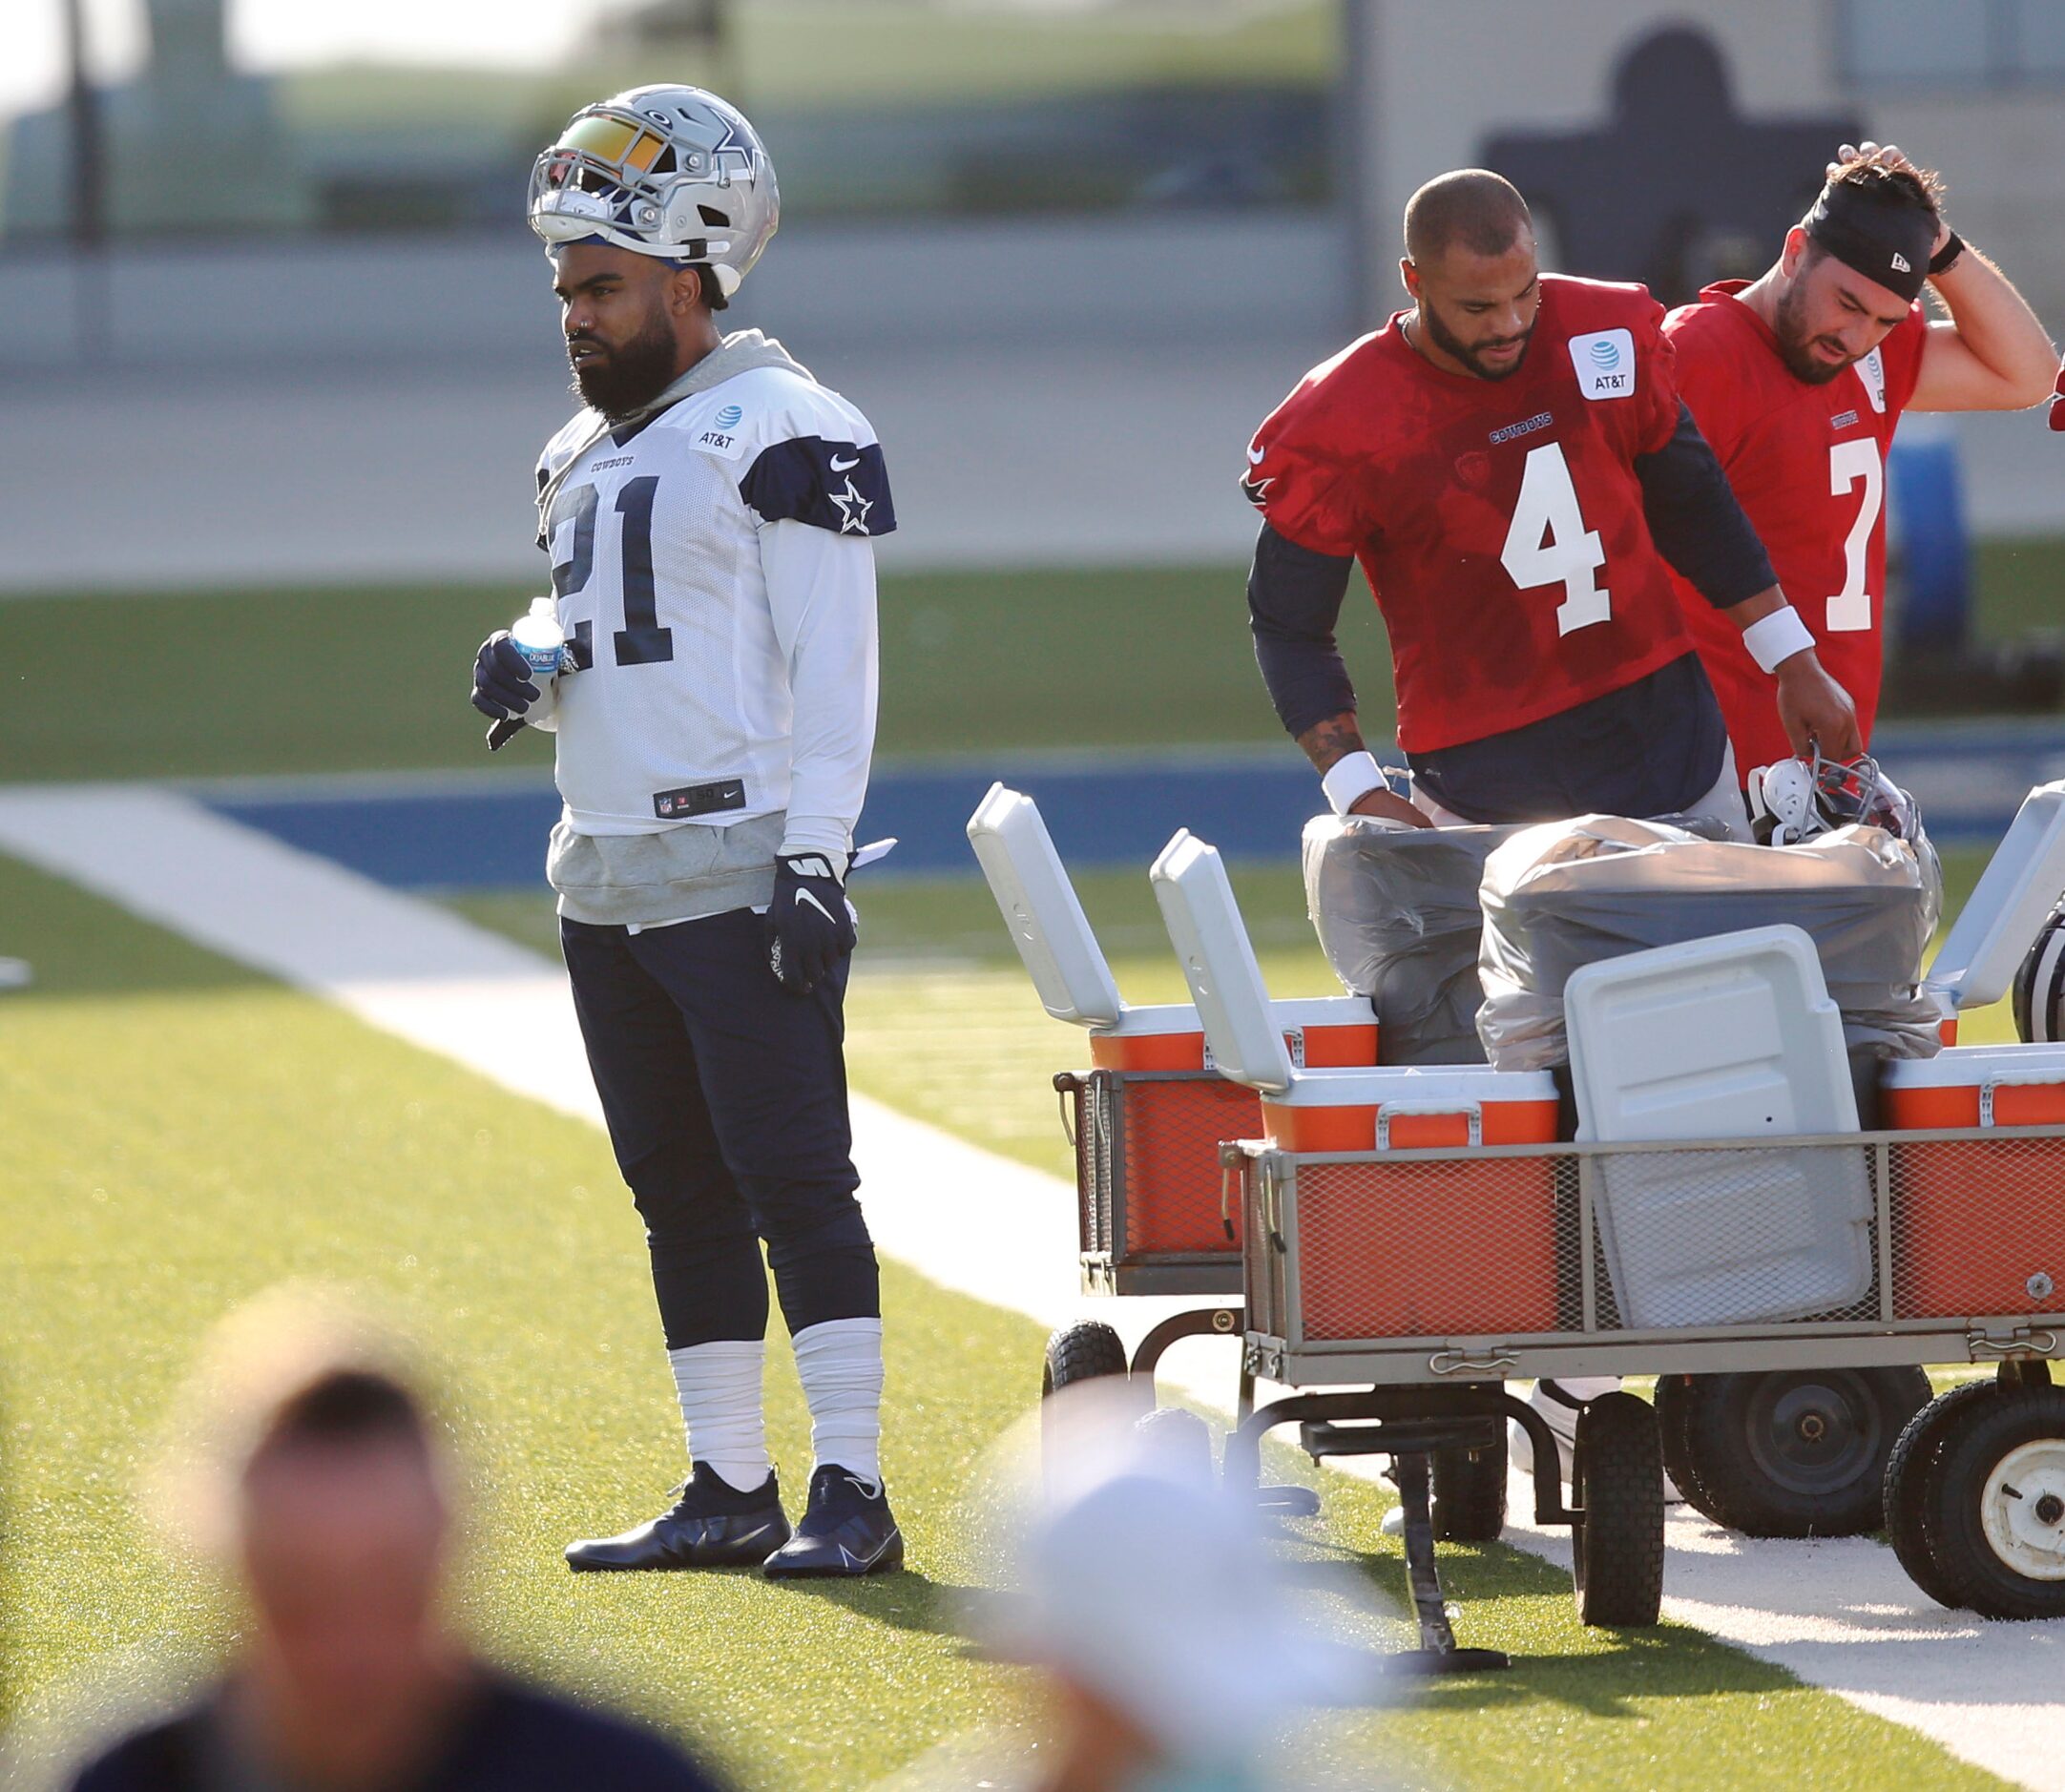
1839 1615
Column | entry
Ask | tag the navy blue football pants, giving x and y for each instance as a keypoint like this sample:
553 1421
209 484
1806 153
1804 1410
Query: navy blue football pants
726 1103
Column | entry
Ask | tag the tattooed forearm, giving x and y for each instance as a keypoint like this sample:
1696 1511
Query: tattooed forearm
1327 742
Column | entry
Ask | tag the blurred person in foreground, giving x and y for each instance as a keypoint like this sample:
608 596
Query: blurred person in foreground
1171 1649
1799 378
1511 464
331 1504
711 513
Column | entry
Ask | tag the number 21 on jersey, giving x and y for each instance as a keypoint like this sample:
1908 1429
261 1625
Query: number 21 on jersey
1848 461
1548 543
641 642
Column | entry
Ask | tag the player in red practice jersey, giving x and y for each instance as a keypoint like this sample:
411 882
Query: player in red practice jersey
1798 380
1511 464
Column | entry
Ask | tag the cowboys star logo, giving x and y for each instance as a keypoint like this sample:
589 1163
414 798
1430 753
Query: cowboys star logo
729 145
853 509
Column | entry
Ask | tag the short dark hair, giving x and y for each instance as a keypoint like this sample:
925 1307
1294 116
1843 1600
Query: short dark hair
1473 206
712 294
1899 189
341 1408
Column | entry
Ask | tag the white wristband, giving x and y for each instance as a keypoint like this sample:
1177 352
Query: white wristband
1776 638
1350 778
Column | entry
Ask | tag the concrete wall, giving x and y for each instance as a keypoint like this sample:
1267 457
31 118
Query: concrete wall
1438 81
1046 393
1117 278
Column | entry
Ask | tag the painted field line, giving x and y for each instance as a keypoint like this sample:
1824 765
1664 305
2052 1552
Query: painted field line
1839 1615
972 1222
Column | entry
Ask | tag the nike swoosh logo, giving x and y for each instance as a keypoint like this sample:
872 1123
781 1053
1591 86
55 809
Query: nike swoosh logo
1254 456
845 466
804 896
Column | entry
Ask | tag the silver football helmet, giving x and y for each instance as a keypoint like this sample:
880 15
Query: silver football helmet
671 172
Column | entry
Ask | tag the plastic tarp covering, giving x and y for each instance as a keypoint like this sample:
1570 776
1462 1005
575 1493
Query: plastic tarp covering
1396 910
1569 893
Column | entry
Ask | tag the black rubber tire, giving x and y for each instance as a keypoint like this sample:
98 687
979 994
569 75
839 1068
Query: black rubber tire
1617 1484
1674 1403
1179 1440
1469 1494
1761 1471
1911 1474
1081 1352
1973 1448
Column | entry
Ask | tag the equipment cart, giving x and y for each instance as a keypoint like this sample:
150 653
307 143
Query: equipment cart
1410 1240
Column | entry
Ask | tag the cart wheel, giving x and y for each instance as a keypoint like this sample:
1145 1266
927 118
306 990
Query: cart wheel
1996 1520
1617 1541
1179 1442
1081 1353
1470 1492
1910 1478
1675 1398
1798 1452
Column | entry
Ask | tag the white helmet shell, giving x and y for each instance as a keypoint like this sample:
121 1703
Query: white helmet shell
1795 800
671 172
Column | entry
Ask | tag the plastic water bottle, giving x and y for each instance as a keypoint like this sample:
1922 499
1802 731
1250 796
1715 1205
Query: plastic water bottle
540 640
543 644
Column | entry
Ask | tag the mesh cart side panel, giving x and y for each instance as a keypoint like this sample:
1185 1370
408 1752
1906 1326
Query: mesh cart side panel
1094 1099
1978 1227
1735 1237
1427 1249
1261 1264
1173 1129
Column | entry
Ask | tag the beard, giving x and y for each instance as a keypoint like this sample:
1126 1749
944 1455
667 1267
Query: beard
1796 346
631 375
1444 339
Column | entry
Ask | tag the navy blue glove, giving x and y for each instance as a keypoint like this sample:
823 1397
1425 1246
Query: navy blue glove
810 926
502 685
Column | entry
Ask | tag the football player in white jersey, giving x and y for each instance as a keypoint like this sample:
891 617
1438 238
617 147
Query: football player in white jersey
710 515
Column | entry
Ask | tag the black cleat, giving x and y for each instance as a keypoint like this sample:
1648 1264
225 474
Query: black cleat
712 1524
846 1530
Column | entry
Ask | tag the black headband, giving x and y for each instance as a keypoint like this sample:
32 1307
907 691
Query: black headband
1886 243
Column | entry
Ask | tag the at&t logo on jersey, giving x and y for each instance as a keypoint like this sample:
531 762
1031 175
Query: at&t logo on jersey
1605 364
1871 371
720 438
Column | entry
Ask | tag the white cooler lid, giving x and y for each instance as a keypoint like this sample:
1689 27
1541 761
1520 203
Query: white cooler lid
1964 1067
1427 1087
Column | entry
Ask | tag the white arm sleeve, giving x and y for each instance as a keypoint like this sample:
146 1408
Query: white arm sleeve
821 588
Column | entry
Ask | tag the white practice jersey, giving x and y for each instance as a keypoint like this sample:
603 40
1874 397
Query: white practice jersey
715 575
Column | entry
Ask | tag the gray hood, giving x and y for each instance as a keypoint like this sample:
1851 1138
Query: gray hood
740 352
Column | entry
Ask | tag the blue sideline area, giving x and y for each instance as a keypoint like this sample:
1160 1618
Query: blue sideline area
1103 811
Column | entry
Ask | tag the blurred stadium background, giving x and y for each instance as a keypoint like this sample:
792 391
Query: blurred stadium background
280 354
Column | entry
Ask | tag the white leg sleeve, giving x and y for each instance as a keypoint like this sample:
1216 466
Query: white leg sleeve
840 1363
719 1389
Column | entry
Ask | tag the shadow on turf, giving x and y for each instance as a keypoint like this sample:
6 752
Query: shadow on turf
1602 1676
906 1600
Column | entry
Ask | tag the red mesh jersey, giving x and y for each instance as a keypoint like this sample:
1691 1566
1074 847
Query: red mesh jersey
1499 522
1808 465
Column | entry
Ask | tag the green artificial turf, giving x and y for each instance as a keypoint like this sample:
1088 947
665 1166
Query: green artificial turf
183 1134
216 684
942 1022
973 663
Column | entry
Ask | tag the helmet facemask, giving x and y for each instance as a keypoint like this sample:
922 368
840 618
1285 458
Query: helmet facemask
1795 800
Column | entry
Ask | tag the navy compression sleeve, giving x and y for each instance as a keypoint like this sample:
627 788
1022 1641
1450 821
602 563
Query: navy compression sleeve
1696 522
1293 602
